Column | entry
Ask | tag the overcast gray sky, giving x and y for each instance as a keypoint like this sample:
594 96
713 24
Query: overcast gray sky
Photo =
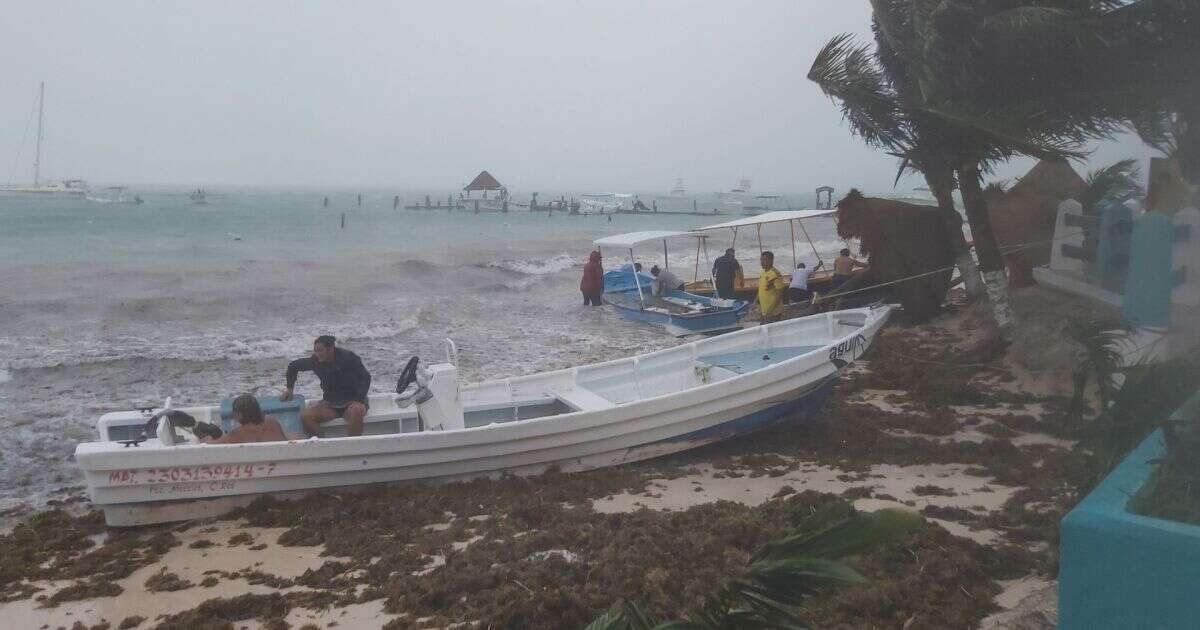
610 95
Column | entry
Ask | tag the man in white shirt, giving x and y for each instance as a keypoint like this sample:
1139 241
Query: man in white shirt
798 289
665 281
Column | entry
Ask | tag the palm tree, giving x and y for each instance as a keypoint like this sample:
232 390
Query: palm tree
780 577
965 79
872 104
1088 65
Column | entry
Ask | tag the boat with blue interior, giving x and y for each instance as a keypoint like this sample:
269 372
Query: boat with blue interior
677 311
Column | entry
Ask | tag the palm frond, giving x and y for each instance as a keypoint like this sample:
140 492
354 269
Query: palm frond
1115 182
782 574
845 538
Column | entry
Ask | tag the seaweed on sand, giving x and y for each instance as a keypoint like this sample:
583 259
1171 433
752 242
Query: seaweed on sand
56 545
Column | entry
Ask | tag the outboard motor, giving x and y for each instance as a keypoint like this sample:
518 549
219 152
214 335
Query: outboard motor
435 394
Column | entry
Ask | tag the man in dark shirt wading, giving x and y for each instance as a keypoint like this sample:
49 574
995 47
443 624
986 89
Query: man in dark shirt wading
344 385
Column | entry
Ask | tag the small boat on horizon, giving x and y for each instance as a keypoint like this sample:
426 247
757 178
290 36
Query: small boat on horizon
435 428
198 196
114 195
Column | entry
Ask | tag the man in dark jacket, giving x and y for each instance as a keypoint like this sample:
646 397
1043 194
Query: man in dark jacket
344 385
725 268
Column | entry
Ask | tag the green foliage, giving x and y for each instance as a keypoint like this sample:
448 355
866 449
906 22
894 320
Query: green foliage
1173 491
1115 183
1100 341
781 575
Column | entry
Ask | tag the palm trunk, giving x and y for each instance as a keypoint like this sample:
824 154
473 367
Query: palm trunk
941 184
991 261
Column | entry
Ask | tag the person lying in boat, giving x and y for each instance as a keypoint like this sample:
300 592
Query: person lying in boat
345 382
630 267
664 281
253 426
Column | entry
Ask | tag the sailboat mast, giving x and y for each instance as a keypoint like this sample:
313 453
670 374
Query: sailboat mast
37 159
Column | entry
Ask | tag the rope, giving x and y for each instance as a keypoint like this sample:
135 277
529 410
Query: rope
1006 250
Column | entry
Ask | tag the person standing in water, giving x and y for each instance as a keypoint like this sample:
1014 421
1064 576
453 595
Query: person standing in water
771 288
345 382
592 284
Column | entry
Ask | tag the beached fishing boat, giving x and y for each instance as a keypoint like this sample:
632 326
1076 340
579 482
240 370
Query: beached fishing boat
679 312
578 418
748 287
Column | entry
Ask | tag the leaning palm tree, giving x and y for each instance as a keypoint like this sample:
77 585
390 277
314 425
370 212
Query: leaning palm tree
873 107
957 110
779 579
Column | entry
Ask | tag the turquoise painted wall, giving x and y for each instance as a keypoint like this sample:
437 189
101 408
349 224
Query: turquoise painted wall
1119 570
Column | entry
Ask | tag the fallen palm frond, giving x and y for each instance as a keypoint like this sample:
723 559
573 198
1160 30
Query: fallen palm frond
780 576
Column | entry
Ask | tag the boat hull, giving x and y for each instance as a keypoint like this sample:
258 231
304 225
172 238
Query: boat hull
144 510
650 410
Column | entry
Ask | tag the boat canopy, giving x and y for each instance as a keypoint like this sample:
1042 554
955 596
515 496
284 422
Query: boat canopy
632 239
769 217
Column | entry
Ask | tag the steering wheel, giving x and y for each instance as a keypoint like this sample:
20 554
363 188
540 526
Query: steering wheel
408 375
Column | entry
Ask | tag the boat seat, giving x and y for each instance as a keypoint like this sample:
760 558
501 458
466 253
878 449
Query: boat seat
751 360
581 399
286 412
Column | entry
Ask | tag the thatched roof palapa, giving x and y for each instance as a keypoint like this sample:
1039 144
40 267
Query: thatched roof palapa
1023 218
483 181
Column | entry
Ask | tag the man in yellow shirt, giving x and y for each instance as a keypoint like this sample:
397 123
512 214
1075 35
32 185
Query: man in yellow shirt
771 288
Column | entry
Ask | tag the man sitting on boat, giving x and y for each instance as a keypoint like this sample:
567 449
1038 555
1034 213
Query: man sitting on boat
771 288
253 426
664 281
843 267
725 270
344 385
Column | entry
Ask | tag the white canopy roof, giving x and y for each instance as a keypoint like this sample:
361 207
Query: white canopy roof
634 238
770 217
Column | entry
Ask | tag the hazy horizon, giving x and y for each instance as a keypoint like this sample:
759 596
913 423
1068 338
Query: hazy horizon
620 96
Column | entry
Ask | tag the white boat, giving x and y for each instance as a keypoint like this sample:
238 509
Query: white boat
578 418
75 187
114 195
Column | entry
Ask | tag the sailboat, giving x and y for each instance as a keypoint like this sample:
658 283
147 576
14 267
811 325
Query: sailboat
76 187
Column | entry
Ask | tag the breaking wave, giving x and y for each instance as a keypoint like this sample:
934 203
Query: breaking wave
538 266
214 345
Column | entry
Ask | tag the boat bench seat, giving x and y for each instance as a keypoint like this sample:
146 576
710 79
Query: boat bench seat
582 399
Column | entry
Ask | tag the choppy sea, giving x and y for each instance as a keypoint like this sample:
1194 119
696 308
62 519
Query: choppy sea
107 306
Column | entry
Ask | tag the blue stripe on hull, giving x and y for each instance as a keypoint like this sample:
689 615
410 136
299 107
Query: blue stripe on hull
805 406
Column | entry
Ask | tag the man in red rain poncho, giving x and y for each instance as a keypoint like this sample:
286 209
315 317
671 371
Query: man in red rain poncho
592 285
